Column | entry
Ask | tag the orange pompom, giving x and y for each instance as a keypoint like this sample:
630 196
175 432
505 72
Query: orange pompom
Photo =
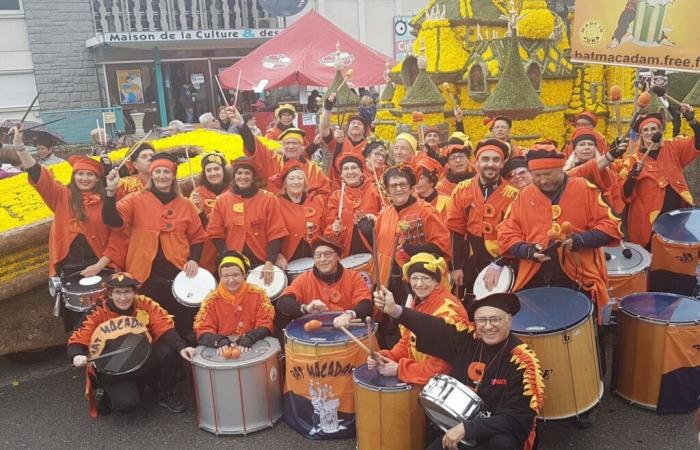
312 325
235 353
566 229
644 100
227 352
553 235
615 93
417 116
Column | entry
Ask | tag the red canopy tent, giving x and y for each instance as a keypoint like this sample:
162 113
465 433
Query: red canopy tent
304 55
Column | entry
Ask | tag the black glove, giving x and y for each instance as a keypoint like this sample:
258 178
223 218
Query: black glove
245 341
657 137
577 242
365 225
689 115
618 147
636 170
328 104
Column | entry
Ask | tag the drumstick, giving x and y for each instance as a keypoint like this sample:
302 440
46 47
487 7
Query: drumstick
216 77
342 200
189 163
132 150
115 352
238 85
354 338
379 186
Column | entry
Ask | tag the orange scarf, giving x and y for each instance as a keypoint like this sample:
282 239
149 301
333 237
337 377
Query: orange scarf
231 297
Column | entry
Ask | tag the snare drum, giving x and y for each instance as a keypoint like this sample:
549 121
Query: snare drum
675 250
388 415
319 400
657 357
505 283
125 333
275 288
192 291
557 323
80 293
448 402
627 274
238 396
363 263
296 267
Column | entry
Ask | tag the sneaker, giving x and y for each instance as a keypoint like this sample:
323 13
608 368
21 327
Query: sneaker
171 403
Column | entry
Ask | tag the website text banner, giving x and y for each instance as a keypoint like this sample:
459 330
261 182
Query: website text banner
662 34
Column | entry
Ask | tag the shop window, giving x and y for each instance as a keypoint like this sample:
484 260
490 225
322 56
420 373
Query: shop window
477 81
10 6
534 73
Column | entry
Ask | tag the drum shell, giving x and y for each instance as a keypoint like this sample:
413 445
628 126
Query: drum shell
242 397
388 418
569 362
293 274
79 298
622 285
364 268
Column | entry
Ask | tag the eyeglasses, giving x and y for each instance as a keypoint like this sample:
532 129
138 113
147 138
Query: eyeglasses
517 173
398 186
328 254
494 321
122 292
420 278
456 156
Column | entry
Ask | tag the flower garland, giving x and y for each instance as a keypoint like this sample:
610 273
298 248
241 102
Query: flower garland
25 261
536 24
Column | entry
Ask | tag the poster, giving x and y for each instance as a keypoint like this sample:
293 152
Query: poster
130 89
659 34
403 39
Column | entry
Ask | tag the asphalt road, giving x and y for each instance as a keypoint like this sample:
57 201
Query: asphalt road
42 407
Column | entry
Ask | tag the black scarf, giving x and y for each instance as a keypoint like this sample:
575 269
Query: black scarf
329 278
245 193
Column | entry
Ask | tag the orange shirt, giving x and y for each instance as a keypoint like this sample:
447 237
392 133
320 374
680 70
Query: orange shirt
65 227
299 218
532 214
416 367
253 221
647 197
468 213
209 253
357 202
340 295
605 180
175 226
416 223
270 163
236 313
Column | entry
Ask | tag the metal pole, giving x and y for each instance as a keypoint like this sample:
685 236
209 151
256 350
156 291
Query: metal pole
158 73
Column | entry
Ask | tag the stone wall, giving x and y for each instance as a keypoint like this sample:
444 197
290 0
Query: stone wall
64 68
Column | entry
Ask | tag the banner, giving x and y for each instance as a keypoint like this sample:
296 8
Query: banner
403 39
661 34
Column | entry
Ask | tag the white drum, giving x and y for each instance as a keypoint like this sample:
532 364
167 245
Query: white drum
363 263
274 289
448 402
504 284
192 291
238 396
296 267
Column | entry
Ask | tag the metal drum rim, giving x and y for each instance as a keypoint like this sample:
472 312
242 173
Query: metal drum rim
132 370
560 330
399 388
671 241
274 349
685 323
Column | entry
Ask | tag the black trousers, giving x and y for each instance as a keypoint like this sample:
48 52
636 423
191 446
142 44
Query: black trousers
160 290
389 333
124 392
496 442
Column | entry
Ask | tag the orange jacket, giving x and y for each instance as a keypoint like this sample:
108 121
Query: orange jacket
606 181
469 214
417 223
159 321
358 201
445 186
174 225
347 147
532 214
239 313
209 253
647 197
65 227
270 163
297 219
416 367
341 295
253 221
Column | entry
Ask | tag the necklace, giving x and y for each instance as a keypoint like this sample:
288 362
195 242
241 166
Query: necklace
496 357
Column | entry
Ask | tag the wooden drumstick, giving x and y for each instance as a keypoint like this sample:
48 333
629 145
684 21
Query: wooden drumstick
189 163
132 150
221 90
342 201
356 340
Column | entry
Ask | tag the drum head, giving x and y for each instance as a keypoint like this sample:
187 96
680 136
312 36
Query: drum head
77 284
505 283
681 225
324 335
549 309
95 280
274 289
372 379
192 291
300 265
352 261
262 349
662 307
128 361
618 264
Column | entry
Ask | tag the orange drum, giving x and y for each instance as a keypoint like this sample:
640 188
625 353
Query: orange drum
362 263
628 269
675 249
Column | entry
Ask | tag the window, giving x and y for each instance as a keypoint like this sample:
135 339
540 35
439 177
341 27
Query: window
534 73
477 82
17 90
10 5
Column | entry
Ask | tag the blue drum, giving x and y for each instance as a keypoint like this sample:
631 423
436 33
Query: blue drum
657 359
557 323
387 413
319 400
675 252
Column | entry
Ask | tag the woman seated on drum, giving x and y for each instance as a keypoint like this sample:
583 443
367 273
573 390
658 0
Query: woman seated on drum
79 241
166 235
247 219
213 180
426 275
123 392
234 309
302 212
359 204
491 361
328 287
